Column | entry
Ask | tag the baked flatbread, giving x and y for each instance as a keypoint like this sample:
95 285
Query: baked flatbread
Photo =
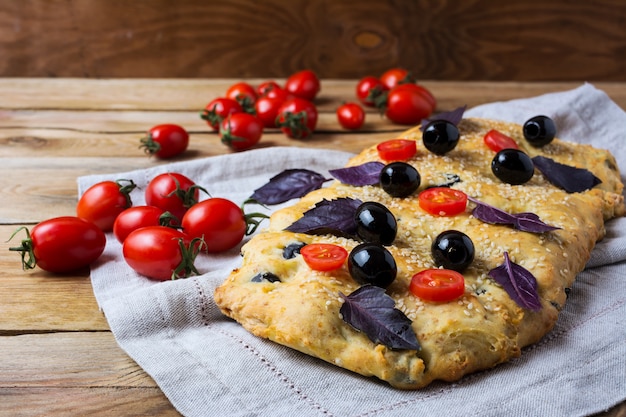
280 298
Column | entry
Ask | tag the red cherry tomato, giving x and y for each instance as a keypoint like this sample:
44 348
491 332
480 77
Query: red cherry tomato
101 203
406 106
241 131
219 109
443 201
496 141
304 84
165 141
220 222
324 256
394 76
243 93
397 149
297 118
437 285
421 90
61 245
368 89
267 86
134 218
350 116
172 192
160 253
267 110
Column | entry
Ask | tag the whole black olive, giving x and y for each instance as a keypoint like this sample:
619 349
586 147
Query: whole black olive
371 263
399 179
513 166
539 130
440 136
375 223
453 250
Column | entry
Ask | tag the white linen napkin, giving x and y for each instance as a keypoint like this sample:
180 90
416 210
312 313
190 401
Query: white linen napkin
208 365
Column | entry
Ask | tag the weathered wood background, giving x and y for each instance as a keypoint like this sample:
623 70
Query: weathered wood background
529 40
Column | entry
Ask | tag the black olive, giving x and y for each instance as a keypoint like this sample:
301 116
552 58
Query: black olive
375 223
265 276
539 131
399 179
291 250
513 166
440 136
371 263
453 250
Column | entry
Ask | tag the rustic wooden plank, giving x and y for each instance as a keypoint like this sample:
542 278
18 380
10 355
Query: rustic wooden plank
473 40
92 401
193 94
42 360
77 373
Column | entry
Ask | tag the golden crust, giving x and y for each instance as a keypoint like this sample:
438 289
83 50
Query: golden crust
483 328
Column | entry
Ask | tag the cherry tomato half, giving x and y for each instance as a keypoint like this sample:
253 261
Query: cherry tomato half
173 192
304 84
136 217
160 253
397 149
350 116
219 109
241 131
220 222
61 244
496 141
165 141
443 201
438 285
297 118
324 256
101 203
368 89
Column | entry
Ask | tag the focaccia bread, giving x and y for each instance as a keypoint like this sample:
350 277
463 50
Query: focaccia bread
276 295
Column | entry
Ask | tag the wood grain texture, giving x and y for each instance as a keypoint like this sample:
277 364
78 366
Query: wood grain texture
529 40
57 354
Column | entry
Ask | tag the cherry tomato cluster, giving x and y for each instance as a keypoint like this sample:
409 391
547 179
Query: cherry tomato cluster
397 95
160 239
242 114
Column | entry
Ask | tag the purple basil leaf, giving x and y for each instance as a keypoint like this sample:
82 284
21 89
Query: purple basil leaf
291 183
329 217
526 222
518 282
566 177
370 310
453 116
360 175
530 222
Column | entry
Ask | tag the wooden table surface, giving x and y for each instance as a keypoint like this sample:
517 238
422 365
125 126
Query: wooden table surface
57 354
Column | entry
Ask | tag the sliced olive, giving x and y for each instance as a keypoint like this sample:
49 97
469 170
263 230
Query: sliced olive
440 136
539 130
399 179
371 263
512 166
375 223
265 276
290 251
453 250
